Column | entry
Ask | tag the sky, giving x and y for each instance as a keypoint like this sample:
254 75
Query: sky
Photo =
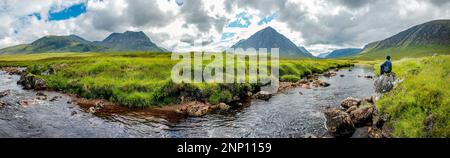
214 25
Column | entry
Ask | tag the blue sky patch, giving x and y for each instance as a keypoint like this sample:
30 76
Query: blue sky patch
227 35
36 15
67 13
242 20
267 19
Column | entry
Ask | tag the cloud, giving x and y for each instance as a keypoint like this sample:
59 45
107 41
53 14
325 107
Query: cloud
320 25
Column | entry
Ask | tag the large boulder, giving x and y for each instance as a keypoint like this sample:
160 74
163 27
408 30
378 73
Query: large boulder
349 102
338 123
362 116
30 81
385 83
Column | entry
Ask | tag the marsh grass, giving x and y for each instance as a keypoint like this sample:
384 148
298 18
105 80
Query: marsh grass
420 105
143 79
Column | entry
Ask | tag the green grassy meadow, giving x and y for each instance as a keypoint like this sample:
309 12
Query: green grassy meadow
420 105
143 79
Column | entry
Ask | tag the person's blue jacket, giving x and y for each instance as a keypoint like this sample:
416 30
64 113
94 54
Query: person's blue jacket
386 67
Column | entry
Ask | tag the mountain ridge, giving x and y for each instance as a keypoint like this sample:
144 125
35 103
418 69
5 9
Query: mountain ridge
127 41
270 38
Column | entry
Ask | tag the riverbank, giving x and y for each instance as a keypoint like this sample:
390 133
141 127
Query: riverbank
420 105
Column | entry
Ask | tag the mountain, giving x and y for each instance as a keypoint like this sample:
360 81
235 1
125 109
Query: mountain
270 38
323 55
71 43
421 40
304 50
343 53
116 42
130 41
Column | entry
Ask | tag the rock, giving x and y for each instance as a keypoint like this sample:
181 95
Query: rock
41 97
99 104
306 86
92 110
55 98
342 75
2 104
29 81
197 110
263 95
40 94
359 76
374 133
4 93
362 116
349 102
324 84
249 94
369 100
338 123
350 70
368 76
73 113
353 108
361 132
385 83
224 107
300 93
329 74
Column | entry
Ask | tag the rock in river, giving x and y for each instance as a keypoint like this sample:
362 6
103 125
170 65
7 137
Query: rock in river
263 95
349 102
362 116
338 123
2 104
4 93
29 81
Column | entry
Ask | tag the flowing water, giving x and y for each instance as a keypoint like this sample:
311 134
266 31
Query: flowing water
288 114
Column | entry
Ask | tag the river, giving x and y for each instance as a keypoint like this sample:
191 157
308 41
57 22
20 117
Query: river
289 114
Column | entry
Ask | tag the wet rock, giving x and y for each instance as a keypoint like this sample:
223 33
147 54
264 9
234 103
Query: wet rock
350 70
197 110
324 84
29 81
368 76
338 123
2 104
73 113
12 70
362 116
55 98
361 133
306 86
353 108
342 75
374 133
384 83
92 110
329 74
263 95
369 100
300 93
379 121
224 107
349 102
4 93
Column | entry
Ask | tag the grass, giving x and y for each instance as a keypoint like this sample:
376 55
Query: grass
404 52
420 105
143 79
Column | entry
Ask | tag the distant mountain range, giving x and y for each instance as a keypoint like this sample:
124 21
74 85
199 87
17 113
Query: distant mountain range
127 41
341 53
270 38
421 40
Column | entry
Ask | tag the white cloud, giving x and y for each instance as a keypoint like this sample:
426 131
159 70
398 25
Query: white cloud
320 25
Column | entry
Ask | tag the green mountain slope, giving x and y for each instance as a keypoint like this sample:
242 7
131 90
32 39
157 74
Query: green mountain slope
422 40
